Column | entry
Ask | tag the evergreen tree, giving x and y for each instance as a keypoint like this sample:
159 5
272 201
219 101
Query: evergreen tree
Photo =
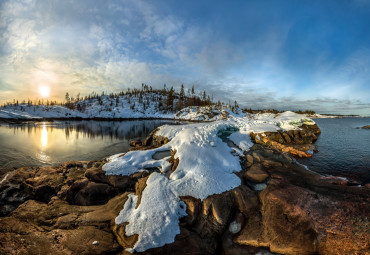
68 99
170 98
182 92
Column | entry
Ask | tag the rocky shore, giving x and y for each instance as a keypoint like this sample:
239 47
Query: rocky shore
280 207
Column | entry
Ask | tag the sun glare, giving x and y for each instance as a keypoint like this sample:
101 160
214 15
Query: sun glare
44 91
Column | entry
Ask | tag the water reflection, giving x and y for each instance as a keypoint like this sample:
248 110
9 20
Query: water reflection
40 143
44 136
91 129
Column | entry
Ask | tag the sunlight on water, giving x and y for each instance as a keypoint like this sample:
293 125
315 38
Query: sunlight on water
44 136
48 143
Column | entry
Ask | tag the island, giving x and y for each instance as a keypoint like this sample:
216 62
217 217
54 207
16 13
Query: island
229 183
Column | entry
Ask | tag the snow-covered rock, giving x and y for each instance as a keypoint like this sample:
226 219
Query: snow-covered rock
207 166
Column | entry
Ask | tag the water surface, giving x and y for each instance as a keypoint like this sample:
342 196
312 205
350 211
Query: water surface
49 143
344 149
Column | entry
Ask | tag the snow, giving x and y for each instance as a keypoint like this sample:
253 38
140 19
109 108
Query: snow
207 166
157 219
235 227
4 179
126 107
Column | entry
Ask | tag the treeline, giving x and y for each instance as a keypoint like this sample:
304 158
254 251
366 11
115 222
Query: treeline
165 99
253 111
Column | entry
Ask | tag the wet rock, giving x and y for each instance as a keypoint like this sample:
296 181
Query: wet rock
335 180
366 127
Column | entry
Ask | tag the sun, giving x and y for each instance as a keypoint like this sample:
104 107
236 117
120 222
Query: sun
44 91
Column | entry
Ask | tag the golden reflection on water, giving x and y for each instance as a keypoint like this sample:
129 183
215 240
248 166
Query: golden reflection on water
44 137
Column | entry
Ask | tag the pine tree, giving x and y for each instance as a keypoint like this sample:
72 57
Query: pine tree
182 92
68 99
170 98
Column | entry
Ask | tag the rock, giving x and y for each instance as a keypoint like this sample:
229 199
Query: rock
185 243
193 208
135 143
249 160
60 228
89 193
335 180
44 193
256 157
271 163
173 161
294 142
71 208
139 188
120 183
256 174
366 127
127 242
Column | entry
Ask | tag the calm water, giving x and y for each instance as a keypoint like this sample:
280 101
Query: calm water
49 143
344 149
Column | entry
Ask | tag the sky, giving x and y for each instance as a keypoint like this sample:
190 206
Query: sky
282 54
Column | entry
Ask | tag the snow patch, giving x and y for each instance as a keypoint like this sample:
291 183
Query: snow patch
235 227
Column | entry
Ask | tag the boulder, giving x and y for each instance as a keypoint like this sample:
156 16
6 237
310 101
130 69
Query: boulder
89 193
256 174
249 160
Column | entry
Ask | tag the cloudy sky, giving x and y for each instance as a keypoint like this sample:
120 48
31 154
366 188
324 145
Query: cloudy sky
264 54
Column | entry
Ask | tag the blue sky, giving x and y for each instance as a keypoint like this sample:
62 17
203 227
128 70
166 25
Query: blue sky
264 54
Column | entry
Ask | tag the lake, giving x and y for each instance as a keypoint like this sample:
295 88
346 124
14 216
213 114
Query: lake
344 149
50 143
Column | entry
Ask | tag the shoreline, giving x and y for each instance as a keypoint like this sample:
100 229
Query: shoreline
78 202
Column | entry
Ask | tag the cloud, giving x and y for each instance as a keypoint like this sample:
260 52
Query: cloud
84 46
